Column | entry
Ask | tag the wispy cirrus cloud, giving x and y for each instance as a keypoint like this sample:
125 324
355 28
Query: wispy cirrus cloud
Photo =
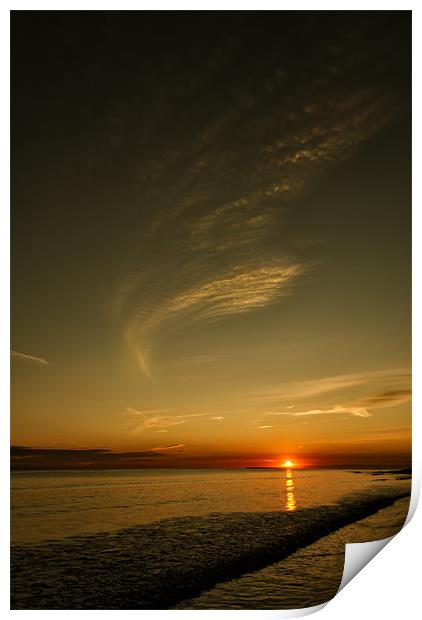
25 357
161 420
310 388
386 399
154 420
360 408
238 291
158 420
170 446
344 409
223 189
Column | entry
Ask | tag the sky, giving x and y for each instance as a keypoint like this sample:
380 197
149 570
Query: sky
210 238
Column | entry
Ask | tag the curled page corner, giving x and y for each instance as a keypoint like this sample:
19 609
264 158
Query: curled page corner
358 555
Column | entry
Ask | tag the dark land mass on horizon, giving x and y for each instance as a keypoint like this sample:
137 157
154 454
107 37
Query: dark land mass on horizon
25 458
405 470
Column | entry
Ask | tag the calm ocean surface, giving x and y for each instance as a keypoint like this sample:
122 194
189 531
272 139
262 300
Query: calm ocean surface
201 539
52 505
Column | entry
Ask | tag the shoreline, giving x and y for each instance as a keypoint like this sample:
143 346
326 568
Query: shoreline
308 577
158 565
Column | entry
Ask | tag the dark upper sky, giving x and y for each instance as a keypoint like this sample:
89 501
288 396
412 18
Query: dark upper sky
211 231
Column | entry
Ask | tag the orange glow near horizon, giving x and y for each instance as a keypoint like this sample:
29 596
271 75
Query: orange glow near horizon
288 463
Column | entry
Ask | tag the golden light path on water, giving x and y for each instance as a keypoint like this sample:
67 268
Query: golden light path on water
290 504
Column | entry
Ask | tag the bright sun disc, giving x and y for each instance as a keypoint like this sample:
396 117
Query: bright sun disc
288 464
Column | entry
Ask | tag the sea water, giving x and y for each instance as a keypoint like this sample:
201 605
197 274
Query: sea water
158 539
50 505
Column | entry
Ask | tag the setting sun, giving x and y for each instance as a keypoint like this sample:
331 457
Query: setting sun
288 464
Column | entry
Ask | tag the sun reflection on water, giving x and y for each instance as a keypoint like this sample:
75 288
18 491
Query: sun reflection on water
290 504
